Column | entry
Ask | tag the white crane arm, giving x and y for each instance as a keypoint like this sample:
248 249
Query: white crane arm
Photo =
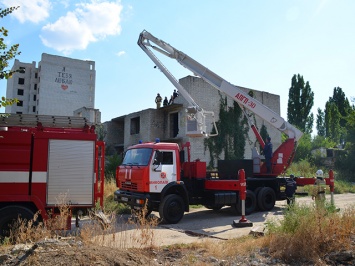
196 116
238 95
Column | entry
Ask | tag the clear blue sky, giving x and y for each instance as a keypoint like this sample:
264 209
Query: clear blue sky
255 44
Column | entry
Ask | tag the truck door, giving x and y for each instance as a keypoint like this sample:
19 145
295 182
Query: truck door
162 170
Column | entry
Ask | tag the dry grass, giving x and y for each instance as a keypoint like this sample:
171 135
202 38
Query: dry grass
24 231
137 231
307 233
110 205
110 188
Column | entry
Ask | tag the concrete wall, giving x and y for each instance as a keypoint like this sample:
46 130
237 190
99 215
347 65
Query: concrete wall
208 98
65 84
155 123
59 86
29 96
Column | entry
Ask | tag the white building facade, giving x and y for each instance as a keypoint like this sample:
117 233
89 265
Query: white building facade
58 86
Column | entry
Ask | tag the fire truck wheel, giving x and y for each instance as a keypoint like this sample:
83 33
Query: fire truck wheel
256 192
266 199
250 203
10 214
171 209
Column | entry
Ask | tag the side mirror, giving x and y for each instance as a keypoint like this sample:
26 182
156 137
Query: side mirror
157 168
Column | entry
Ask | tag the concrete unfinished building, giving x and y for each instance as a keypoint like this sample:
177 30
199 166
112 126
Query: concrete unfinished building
168 123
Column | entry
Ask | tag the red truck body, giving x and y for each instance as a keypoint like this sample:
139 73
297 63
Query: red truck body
42 167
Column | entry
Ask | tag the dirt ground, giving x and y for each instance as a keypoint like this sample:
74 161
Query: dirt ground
76 251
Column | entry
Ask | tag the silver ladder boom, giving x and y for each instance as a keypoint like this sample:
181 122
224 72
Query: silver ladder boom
237 94
31 120
196 116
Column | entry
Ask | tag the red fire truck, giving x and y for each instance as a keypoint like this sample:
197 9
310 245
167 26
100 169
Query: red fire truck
156 175
47 161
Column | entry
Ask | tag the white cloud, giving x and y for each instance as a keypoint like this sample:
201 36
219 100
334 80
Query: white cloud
34 10
89 22
120 53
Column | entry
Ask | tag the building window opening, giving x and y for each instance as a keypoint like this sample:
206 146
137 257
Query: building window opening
135 125
34 97
174 124
22 70
20 103
34 109
35 87
20 92
21 81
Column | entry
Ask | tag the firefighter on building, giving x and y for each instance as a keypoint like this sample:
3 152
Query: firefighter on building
158 100
165 102
318 190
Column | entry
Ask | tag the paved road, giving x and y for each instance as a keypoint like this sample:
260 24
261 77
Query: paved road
201 223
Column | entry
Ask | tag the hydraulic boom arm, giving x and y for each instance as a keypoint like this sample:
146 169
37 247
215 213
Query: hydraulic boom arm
196 127
243 99
196 116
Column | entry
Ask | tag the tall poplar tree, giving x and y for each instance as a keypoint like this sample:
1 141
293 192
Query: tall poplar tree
337 110
300 103
320 123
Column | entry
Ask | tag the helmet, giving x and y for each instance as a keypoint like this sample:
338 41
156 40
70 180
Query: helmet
319 173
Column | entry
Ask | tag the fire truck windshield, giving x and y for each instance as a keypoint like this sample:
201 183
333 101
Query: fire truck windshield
138 157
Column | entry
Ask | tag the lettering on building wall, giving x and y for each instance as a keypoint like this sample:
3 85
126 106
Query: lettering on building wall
64 78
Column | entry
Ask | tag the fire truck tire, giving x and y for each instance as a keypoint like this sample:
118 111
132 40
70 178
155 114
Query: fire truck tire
256 192
171 209
250 203
266 199
9 214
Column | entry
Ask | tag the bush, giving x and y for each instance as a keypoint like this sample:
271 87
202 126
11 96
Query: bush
307 232
109 204
302 168
111 165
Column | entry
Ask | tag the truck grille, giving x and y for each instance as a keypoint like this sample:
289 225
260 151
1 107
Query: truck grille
128 186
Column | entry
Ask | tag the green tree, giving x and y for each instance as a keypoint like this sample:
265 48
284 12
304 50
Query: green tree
263 133
232 128
111 165
7 54
320 123
300 103
342 103
336 120
322 142
304 148
332 121
345 162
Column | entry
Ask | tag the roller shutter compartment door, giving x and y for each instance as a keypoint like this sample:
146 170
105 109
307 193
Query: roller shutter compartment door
70 172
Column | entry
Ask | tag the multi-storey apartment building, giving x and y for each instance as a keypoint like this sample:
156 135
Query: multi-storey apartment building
58 86
169 123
